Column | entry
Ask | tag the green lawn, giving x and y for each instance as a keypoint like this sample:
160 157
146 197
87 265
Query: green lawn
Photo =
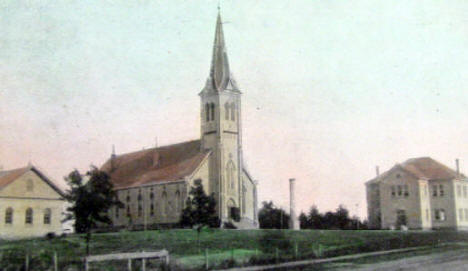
258 246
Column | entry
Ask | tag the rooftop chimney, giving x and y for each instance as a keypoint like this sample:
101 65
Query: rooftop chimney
377 171
112 159
457 163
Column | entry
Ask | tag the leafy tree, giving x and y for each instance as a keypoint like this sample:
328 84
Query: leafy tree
271 217
90 197
200 210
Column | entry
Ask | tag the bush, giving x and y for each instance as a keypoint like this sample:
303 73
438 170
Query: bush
50 235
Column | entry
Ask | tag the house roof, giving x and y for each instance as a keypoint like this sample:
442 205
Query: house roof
422 168
155 165
9 176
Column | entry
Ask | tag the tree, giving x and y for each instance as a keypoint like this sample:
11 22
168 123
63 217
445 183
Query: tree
90 199
271 217
200 210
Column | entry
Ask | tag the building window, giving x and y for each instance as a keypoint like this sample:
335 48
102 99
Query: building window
226 111
9 215
212 108
207 112
233 111
177 201
128 210
434 190
29 185
29 216
460 214
441 190
393 191
140 210
151 194
401 218
440 215
152 209
47 215
230 175
400 190
164 203
405 190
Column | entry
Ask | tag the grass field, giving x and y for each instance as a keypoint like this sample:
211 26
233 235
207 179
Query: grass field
221 246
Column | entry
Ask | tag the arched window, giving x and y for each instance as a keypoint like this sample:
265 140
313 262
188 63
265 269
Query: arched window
212 107
29 216
9 215
29 185
226 111
177 201
207 111
230 175
233 111
47 215
164 203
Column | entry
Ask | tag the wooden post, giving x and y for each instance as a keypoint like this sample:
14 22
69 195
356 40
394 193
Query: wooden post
26 262
55 261
143 264
206 259
295 250
129 264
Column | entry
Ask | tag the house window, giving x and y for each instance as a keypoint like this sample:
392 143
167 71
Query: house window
29 216
207 111
47 215
401 218
441 190
164 203
152 209
400 190
459 193
140 210
29 185
405 190
9 215
440 215
393 191
434 190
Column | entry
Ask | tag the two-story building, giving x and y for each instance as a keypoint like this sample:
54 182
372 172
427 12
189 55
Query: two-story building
419 193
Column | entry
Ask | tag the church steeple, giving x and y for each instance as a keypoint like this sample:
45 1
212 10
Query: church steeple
219 73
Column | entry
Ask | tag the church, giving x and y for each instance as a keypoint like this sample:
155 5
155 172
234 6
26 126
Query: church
153 184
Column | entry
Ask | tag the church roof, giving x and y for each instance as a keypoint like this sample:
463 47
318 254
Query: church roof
423 168
220 75
9 176
155 165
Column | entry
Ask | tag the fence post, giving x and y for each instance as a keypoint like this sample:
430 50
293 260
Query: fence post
206 259
86 264
143 264
55 261
129 264
295 250
26 262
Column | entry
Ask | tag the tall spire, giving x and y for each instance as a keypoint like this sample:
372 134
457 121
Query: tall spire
219 72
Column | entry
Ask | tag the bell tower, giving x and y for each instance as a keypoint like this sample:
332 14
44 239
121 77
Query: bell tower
221 129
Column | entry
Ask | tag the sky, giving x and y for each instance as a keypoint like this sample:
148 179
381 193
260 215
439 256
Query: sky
330 88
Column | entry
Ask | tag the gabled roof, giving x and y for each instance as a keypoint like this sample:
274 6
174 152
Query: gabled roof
9 176
424 168
162 164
